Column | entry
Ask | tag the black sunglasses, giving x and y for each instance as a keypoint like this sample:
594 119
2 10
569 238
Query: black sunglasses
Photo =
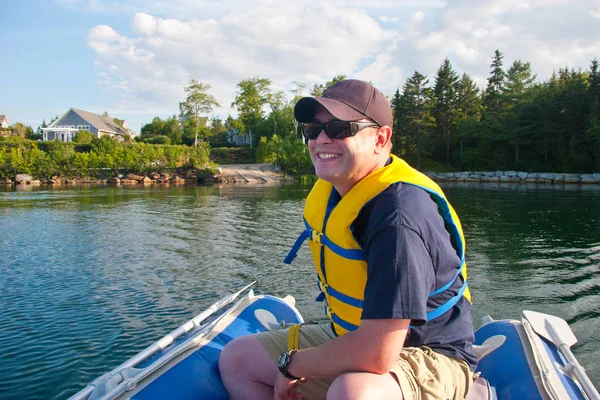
334 129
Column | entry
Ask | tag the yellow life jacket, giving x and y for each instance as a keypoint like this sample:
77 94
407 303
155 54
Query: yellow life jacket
339 260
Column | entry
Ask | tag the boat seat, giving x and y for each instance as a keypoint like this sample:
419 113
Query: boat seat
481 390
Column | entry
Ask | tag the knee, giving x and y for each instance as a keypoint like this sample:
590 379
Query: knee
364 386
234 356
344 387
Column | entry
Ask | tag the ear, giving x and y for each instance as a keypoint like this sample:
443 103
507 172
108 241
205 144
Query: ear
382 138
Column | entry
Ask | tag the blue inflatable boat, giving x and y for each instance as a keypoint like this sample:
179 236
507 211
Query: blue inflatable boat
527 359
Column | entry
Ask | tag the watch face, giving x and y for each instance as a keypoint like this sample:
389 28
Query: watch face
282 360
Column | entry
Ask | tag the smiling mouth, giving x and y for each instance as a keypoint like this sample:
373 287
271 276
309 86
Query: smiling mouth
328 156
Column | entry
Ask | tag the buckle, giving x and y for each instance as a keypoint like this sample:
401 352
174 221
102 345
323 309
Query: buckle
316 237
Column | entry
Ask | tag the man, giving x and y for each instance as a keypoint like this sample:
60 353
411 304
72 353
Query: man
389 255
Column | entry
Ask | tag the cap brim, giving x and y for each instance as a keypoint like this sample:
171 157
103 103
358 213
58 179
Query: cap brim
305 109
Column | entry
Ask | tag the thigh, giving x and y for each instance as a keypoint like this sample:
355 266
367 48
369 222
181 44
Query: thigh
310 335
364 385
245 356
424 374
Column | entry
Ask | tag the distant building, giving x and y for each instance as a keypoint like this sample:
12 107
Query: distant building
234 137
3 121
74 120
202 121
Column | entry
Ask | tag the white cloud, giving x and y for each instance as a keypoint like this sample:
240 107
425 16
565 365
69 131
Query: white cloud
384 41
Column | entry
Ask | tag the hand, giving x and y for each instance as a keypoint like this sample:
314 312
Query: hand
286 389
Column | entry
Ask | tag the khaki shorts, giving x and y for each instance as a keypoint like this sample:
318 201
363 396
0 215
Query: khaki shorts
421 372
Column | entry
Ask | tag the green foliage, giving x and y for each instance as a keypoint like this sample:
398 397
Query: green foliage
290 153
252 97
233 155
100 158
198 101
82 137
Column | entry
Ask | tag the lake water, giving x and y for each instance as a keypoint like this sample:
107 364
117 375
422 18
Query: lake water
89 276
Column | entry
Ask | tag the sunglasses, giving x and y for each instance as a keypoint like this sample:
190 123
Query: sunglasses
334 129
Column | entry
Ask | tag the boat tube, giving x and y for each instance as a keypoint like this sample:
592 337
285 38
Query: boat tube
527 359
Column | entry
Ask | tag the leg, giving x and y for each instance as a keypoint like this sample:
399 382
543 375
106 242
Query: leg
364 385
247 369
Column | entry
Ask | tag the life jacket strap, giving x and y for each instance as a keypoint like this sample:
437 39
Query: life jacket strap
294 250
447 286
338 321
293 341
344 298
323 240
444 308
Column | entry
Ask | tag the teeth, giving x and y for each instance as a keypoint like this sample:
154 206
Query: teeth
328 155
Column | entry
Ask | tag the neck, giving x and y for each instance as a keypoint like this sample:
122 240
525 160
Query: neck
342 189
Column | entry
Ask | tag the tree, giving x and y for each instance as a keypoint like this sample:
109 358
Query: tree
196 102
318 90
495 85
417 111
445 110
299 88
468 101
252 97
516 93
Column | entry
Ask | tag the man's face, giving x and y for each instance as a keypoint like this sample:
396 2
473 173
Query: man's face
343 162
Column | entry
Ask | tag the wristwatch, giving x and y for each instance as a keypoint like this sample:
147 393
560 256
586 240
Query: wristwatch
284 361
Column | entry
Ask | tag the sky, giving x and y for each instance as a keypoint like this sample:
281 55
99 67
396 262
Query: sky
133 58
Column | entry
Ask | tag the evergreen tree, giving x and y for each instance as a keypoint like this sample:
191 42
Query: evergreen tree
517 95
419 121
468 101
445 96
495 86
468 106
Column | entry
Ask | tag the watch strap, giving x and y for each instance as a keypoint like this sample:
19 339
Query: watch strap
284 368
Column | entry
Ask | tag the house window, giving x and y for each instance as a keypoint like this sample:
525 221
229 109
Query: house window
83 127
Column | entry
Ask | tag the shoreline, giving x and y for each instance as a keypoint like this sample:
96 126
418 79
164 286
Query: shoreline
269 173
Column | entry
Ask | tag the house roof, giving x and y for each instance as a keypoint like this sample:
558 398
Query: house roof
100 122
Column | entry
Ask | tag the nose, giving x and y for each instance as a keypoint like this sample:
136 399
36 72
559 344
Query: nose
323 138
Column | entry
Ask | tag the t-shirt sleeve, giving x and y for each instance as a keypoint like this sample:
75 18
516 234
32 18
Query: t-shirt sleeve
400 274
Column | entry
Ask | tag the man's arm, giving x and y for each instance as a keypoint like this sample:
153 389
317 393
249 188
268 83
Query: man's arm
373 347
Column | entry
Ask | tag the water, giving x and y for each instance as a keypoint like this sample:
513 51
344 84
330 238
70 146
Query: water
89 276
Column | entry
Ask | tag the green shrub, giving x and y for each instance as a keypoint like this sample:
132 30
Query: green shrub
101 158
233 155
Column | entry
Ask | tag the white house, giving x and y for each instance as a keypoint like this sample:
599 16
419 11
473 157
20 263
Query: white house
74 120
3 121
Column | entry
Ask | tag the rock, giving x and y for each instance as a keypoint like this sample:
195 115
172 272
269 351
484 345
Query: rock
135 177
146 181
114 180
522 175
572 178
510 173
35 182
6 181
590 180
23 178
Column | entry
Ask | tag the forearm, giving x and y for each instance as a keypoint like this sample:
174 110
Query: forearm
372 348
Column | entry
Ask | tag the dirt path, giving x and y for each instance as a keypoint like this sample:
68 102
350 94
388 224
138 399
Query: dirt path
252 173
